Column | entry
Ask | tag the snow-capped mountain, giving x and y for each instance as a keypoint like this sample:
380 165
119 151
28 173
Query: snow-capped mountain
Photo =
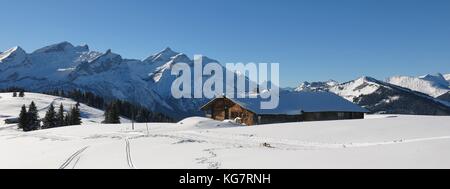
433 85
316 86
65 66
447 77
349 90
356 88
383 97
14 55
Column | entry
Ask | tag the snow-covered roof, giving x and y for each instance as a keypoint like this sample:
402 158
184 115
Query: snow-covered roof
294 103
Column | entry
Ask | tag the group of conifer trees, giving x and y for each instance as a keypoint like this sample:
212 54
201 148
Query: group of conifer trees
139 114
21 94
113 108
112 113
87 98
29 119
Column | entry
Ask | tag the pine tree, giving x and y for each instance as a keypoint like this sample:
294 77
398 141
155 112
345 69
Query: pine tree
60 116
23 118
143 115
75 116
112 113
67 119
106 115
115 114
50 120
14 94
21 93
33 118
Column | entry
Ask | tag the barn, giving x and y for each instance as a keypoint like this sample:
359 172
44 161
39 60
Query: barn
293 107
12 120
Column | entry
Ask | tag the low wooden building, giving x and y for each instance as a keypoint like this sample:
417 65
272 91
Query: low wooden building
12 120
293 107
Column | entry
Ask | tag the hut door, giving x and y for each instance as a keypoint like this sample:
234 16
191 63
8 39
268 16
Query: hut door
213 116
227 112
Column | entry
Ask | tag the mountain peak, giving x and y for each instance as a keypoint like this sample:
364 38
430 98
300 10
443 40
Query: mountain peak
367 79
65 43
432 76
84 47
59 47
332 82
316 86
165 55
168 52
437 78
15 51
107 56
167 49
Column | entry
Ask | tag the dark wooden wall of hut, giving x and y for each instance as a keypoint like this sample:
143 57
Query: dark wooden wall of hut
313 116
269 119
323 116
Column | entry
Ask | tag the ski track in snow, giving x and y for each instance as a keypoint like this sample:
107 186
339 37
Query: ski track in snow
128 154
70 159
76 162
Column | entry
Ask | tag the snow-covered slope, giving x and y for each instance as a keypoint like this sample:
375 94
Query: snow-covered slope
10 107
447 77
16 54
316 86
388 141
433 85
356 88
381 141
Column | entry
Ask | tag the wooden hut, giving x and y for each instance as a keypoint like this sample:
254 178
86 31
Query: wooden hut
293 107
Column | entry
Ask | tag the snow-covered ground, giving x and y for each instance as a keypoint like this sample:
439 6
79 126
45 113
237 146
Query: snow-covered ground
10 106
381 141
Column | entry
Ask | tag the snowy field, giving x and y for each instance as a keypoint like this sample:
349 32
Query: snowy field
380 141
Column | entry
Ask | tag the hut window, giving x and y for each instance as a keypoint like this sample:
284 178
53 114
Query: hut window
341 115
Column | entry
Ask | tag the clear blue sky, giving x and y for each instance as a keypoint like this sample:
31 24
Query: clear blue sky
311 39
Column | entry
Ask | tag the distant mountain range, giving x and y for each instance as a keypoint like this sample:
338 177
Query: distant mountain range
148 81
425 95
68 67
